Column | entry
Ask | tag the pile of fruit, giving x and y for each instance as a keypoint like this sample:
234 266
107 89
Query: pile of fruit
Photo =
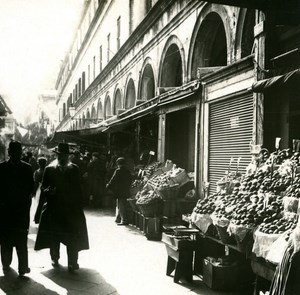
148 197
278 226
150 169
257 199
206 205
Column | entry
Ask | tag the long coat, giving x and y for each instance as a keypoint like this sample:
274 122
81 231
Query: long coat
62 218
16 187
120 183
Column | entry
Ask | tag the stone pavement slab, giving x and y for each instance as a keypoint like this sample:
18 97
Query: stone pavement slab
120 261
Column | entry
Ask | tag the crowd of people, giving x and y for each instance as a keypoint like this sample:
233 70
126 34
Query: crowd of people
61 186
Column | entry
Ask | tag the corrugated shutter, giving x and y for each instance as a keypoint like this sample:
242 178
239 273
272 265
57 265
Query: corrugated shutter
230 133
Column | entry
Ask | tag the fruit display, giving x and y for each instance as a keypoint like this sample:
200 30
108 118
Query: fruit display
206 205
150 169
148 197
278 226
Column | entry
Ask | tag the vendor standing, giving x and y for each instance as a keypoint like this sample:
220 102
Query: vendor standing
62 219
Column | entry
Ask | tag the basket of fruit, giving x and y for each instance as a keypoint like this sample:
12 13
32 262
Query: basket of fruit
167 192
150 204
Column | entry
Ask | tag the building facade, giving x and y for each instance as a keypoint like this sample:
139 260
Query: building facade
182 75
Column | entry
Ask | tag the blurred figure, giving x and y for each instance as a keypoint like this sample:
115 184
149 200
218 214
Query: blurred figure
62 219
16 182
96 176
39 196
120 184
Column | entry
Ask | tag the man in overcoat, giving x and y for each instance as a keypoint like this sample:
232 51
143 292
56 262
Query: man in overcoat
62 219
16 183
120 184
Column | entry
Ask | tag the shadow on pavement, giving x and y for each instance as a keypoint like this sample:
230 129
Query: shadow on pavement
11 283
83 281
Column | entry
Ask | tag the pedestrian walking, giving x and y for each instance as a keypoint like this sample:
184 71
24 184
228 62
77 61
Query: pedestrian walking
16 182
120 184
62 219
96 177
38 194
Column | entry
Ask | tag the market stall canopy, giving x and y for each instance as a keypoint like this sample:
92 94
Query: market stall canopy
290 81
285 11
89 137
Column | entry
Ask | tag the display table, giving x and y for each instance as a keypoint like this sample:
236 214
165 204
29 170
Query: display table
180 250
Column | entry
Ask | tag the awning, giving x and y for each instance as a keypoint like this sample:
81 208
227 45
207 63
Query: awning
86 137
289 81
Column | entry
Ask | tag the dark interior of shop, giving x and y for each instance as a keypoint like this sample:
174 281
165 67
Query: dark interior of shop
180 138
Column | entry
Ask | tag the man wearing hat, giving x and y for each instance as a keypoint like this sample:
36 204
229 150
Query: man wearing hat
62 219
16 182
120 185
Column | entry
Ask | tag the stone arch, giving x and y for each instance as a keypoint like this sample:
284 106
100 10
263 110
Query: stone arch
117 105
107 107
210 42
147 81
245 33
93 112
172 65
130 94
99 109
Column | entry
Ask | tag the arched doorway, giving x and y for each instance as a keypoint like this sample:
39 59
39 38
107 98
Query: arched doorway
171 72
210 44
107 108
117 102
130 96
147 83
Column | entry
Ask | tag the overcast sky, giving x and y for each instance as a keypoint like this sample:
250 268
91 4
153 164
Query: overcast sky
34 37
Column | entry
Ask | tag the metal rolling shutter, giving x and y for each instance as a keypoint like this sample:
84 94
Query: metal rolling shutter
230 133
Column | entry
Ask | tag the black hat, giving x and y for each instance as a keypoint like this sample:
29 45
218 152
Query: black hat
62 148
15 146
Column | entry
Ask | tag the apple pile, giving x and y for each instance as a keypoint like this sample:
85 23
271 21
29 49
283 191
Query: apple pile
278 226
206 205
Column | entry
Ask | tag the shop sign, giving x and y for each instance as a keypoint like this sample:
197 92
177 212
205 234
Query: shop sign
235 122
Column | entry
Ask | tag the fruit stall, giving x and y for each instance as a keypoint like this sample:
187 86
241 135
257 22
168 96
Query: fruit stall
253 214
160 195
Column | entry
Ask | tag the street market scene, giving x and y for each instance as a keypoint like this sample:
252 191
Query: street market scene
159 155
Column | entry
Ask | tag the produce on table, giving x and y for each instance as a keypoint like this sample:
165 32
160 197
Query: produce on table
148 197
206 205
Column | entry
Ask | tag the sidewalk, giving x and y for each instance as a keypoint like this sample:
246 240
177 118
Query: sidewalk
120 261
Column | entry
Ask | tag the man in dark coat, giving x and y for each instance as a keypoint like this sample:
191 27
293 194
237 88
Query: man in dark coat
96 176
16 182
62 219
120 185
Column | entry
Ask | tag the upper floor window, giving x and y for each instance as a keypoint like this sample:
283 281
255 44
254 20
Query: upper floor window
94 67
108 47
118 33
83 81
89 75
148 5
100 58
131 16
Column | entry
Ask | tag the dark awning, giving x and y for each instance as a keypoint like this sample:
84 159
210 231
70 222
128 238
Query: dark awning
86 137
290 81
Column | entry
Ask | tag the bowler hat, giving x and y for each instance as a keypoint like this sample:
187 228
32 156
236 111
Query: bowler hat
62 148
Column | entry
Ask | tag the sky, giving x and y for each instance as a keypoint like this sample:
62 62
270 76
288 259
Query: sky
35 35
